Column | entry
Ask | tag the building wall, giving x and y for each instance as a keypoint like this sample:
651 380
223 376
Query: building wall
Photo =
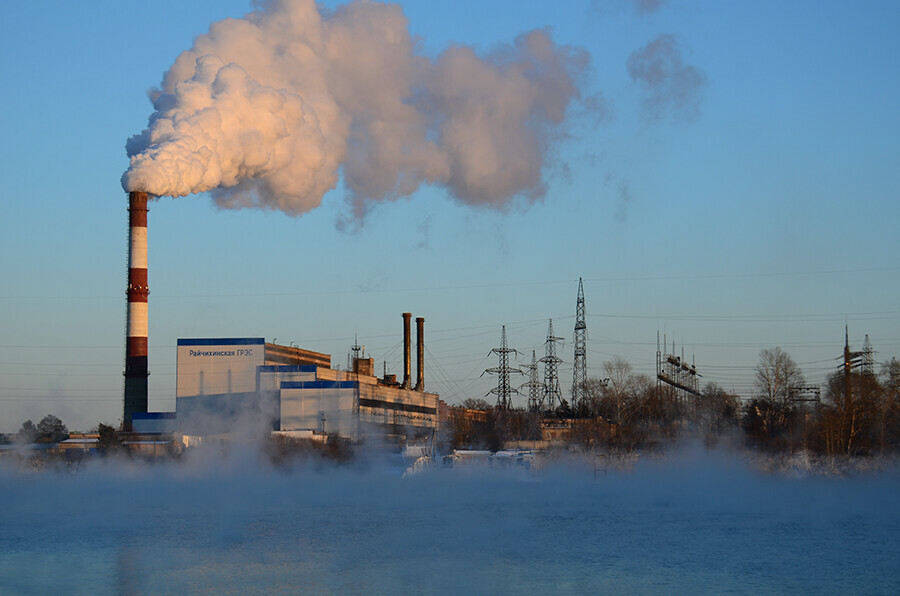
253 411
218 366
154 422
380 404
278 354
319 405
271 377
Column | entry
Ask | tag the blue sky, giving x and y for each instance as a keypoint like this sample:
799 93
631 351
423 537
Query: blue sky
768 219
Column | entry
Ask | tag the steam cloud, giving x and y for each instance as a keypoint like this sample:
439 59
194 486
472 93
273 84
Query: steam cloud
670 86
647 6
271 109
641 8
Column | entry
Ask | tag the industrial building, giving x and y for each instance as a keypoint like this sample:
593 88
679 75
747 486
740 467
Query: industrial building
228 385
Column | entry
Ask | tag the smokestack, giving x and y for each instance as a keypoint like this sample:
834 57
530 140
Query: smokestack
406 356
420 354
136 335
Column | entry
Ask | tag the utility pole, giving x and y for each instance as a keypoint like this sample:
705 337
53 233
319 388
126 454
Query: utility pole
851 360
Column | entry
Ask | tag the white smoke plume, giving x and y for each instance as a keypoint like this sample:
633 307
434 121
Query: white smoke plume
670 86
271 109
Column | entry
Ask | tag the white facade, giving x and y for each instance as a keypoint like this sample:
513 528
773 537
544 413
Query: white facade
218 366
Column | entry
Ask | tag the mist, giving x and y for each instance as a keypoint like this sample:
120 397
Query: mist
695 521
271 110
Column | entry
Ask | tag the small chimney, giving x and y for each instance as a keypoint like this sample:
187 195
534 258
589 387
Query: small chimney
407 316
420 354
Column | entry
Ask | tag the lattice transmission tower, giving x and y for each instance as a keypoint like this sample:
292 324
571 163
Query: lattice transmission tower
579 377
503 390
535 387
552 395
868 357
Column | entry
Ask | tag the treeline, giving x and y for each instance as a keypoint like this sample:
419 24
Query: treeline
636 415
53 430
856 413
49 430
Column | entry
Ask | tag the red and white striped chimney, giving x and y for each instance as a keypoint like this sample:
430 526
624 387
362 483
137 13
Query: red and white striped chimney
136 352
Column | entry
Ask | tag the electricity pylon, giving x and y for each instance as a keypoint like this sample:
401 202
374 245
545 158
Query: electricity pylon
503 390
535 387
552 395
579 377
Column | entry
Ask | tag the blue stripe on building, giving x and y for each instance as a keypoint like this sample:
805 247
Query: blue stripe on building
318 384
239 341
287 368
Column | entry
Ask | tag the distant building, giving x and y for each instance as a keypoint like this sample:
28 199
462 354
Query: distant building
230 385
79 444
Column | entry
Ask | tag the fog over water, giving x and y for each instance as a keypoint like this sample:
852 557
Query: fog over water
694 522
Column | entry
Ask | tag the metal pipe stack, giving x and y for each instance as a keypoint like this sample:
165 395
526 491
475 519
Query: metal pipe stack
420 354
407 316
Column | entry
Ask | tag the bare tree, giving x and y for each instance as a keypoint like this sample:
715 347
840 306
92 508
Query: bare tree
622 398
619 375
890 405
777 376
890 378
617 389
593 397
716 411
473 403
850 417
768 418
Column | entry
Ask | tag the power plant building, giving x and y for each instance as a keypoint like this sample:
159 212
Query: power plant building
227 384
224 385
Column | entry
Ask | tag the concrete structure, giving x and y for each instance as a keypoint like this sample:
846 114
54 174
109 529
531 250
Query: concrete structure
138 290
231 384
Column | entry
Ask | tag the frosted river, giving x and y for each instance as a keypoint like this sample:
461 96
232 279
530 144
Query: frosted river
692 523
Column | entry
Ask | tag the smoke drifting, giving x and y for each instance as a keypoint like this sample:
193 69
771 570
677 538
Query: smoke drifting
642 8
670 86
270 110
647 6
